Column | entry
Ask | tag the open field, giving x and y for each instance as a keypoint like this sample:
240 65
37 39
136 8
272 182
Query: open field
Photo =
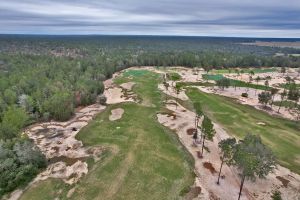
282 136
143 160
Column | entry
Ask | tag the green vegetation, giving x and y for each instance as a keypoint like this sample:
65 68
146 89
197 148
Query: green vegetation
235 83
173 76
281 135
136 73
253 159
214 77
20 161
144 160
206 84
244 70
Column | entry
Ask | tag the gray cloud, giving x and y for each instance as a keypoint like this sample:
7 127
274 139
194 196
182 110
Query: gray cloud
256 18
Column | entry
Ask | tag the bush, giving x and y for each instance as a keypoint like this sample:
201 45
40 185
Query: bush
245 95
102 99
276 195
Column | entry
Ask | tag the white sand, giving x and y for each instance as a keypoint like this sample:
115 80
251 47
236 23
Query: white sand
116 114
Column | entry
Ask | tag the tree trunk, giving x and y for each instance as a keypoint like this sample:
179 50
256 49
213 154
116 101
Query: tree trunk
241 187
203 145
218 182
279 106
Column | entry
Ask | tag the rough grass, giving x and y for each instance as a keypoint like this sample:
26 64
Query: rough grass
174 76
282 136
145 160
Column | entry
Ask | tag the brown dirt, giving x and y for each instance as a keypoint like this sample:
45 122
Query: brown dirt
199 154
191 131
193 193
283 181
210 167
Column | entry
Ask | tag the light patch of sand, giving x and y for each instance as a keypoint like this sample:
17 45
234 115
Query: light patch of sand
116 95
229 187
128 85
116 114
172 92
69 174
276 77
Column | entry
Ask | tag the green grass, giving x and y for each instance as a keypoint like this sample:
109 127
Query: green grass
136 73
236 83
282 136
206 84
174 76
248 70
145 160
287 86
239 83
214 77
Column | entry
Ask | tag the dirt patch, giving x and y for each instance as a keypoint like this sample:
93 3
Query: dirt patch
116 114
193 193
191 131
283 181
210 167
199 154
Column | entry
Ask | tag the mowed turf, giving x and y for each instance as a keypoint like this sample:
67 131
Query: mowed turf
282 136
143 159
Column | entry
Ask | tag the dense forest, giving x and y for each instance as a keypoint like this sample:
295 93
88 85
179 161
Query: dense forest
47 77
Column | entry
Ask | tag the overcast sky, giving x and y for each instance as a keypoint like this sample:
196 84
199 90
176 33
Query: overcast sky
254 18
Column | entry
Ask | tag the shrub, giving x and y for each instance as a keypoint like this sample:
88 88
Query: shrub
245 95
102 99
276 195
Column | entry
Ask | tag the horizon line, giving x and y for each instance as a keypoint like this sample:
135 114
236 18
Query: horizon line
146 35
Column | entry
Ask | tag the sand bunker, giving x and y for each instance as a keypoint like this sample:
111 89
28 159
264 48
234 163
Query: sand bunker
172 92
116 114
64 152
69 174
118 94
